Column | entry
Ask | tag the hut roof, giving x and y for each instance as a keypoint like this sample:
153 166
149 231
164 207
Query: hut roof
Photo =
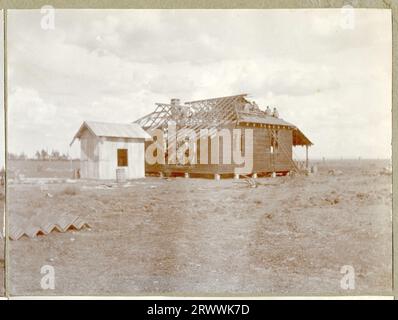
114 130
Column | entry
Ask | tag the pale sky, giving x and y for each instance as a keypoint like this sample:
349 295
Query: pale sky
332 81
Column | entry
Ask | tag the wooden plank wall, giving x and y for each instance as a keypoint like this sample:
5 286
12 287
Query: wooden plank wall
283 156
89 165
263 160
108 157
98 157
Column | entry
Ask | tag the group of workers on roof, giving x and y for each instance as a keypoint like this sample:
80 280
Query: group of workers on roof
273 113
254 107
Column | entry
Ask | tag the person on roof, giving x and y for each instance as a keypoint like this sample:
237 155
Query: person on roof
275 113
255 106
268 111
247 107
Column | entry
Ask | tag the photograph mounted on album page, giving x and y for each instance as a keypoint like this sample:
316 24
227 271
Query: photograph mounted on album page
199 152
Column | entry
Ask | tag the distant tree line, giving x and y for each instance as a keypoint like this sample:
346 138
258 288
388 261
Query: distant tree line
40 155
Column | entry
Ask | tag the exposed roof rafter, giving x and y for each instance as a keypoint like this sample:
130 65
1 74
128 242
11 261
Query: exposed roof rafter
213 114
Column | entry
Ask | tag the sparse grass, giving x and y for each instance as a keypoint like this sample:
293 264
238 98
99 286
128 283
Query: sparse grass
42 169
105 200
170 240
70 191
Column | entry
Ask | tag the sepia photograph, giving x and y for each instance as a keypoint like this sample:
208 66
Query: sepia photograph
199 152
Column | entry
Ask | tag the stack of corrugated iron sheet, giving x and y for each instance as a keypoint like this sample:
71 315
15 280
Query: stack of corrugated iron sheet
43 225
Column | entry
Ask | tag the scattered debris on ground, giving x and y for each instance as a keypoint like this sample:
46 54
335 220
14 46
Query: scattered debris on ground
43 225
334 172
200 236
251 182
386 171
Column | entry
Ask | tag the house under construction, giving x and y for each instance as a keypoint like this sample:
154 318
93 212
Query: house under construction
273 138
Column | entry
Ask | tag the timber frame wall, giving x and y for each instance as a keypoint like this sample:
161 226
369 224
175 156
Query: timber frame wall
264 162
231 112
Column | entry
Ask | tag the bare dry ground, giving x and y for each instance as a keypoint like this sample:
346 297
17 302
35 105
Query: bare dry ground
290 235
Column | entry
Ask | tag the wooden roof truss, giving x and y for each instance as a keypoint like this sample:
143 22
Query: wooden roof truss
195 115
211 114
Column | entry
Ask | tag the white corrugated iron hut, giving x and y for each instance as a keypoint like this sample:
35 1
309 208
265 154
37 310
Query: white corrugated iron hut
111 150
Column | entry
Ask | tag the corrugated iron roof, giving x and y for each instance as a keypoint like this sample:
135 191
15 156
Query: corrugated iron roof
43 224
299 139
114 130
265 120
